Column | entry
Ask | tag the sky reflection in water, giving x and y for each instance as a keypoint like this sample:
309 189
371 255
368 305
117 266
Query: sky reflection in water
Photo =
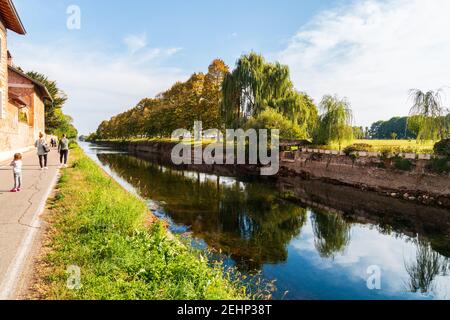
312 253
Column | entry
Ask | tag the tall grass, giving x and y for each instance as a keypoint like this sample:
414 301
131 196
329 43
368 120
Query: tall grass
104 230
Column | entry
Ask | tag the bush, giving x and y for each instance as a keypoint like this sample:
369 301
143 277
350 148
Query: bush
442 148
272 119
402 164
439 165
385 153
357 147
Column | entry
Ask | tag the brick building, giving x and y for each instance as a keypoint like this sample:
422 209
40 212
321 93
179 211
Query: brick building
22 110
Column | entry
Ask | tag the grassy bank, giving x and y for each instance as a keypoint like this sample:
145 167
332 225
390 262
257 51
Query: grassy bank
104 230
407 146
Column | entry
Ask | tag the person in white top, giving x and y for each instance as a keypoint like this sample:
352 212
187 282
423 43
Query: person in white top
17 171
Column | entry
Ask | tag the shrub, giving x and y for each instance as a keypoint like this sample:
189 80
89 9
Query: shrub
442 148
357 147
402 164
438 165
272 119
385 153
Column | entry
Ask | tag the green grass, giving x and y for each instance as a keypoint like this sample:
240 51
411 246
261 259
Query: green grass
98 226
407 146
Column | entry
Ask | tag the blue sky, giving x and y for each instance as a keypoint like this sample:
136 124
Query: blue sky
125 51
203 29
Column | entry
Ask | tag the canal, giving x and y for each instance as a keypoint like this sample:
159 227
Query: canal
310 251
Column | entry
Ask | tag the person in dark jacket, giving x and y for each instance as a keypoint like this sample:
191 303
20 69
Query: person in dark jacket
63 149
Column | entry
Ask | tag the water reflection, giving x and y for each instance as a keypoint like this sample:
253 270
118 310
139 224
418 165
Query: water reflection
246 221
332 233
312 253
425 268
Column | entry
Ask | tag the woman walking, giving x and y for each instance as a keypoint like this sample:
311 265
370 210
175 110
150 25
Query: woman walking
42 151
63 149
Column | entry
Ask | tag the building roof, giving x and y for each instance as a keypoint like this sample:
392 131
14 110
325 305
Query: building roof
44 91
10 17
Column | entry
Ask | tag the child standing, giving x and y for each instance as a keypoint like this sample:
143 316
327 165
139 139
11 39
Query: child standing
17 171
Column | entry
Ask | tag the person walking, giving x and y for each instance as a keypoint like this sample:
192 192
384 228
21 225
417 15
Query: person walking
16 164
42 151
63 149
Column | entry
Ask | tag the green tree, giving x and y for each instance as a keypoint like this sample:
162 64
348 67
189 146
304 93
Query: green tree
255 85
56 122
430 114
335 121
358 132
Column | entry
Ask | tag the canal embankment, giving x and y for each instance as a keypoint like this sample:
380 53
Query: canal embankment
103 243
406 177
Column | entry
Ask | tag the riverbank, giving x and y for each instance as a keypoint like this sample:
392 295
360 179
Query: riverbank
114 249
391 176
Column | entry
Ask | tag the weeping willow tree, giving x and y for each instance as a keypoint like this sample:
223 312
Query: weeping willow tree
255 85
428 114
335 121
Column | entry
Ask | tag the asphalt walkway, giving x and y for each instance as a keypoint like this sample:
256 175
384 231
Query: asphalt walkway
20 216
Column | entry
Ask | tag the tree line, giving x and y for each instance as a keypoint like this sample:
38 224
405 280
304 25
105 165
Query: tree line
255 94
259 94
406 128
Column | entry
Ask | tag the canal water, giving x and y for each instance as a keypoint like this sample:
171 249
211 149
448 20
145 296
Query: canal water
310 253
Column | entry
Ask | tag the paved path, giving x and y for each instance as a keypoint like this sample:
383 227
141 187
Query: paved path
19 216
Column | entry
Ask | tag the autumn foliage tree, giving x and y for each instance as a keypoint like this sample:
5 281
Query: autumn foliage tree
196 99
220 99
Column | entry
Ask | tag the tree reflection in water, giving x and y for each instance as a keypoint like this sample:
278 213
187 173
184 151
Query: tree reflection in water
250 222
332 233
424 269
247 221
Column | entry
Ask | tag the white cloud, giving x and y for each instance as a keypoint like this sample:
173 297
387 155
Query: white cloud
373 52
135 42
99 84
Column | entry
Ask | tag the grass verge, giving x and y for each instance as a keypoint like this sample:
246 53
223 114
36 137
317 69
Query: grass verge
97 226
